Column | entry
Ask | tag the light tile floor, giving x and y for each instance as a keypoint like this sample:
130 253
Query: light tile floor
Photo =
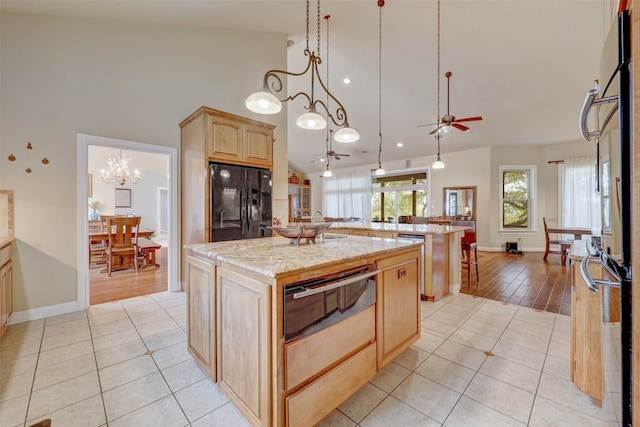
478 363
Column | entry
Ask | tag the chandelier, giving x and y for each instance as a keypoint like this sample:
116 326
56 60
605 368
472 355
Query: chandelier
118 172
265 102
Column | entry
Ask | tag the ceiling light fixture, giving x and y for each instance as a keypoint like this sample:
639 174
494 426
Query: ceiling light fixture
118 172
438 164
380 170
265 102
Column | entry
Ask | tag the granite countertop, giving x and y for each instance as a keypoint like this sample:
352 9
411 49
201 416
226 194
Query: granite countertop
274 256
399 228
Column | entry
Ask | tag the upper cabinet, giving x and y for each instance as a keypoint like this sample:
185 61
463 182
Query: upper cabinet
210 135
238 140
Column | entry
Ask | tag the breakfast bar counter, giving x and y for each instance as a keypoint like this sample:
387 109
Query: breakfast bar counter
441 253
290 332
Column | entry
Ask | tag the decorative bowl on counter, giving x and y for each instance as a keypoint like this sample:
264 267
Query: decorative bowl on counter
301 231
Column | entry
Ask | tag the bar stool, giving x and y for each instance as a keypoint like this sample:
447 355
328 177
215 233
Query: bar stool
469 245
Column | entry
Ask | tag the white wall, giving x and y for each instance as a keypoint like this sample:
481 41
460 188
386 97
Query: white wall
136 82
480 167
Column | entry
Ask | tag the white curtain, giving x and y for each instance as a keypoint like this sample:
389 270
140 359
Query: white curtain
579 201
347 194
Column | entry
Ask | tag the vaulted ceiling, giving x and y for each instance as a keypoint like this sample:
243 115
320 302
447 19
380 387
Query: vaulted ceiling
523 65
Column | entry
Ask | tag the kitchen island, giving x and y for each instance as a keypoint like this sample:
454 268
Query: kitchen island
441 253
238 306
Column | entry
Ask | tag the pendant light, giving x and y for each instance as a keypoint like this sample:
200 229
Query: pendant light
380 170
265 102
438 164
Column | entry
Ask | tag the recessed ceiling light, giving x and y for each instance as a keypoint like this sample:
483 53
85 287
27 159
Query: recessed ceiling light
400 144
346 81
364 151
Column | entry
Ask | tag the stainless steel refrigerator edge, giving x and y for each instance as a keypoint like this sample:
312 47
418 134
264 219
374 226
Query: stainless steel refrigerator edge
240 202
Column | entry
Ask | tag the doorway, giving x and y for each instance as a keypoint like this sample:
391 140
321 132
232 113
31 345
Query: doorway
87 143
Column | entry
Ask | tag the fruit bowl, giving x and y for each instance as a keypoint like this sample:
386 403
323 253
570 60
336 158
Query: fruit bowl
301 231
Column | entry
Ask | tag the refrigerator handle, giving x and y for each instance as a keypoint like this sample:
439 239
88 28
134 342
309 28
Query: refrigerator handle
243 212
249 205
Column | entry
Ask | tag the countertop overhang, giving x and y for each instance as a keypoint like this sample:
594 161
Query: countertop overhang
274 256
417 229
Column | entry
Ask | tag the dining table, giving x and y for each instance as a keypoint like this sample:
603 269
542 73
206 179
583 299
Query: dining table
577 232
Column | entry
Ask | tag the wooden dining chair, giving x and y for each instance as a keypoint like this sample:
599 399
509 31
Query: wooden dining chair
555 246
123 241
98 248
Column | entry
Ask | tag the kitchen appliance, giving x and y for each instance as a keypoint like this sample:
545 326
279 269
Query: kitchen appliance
614 151
240 202
315 304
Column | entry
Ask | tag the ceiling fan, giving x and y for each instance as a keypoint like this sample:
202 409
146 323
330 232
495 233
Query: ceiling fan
447 121
330 154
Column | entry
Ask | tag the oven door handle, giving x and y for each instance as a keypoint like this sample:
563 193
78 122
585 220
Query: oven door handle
335 285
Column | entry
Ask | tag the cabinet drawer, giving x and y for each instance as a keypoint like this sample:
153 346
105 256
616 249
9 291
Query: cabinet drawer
313 403
5 254
310 355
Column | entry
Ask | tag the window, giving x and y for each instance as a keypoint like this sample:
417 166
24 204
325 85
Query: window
517 198
399 195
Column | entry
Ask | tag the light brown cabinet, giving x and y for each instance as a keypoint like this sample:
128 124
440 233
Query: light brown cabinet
300 382
243 337
398 322
586 351
6 286
213 135
201 313
235 140
299 202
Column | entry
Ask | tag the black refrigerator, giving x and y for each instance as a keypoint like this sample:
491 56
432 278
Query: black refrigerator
240 202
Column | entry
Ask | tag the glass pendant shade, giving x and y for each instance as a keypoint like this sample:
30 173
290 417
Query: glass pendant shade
312 121
327 174
380 171
346 135
438 164
263 102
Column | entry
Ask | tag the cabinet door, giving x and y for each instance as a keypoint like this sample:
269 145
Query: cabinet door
201 317
244 364
258 146
226 140
397 306
5 295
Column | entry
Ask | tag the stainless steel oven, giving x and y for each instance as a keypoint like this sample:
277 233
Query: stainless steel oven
312 305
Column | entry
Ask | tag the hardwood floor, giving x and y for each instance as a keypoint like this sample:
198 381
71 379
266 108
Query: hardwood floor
524 280
528 281
127 283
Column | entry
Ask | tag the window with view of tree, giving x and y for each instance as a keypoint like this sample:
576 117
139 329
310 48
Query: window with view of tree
399 195
517 197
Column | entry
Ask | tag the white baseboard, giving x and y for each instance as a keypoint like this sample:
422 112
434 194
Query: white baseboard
501 249
42 312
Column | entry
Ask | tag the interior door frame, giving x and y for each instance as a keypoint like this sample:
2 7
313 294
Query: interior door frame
83 142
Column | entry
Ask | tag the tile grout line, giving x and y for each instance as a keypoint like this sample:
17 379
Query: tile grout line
35 370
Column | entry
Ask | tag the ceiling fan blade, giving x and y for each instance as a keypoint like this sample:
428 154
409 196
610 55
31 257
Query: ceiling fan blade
342 155
436 129
460 127
428 124
468 119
